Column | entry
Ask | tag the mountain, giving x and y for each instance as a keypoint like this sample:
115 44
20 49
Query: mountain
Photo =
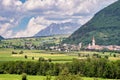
1 38
104 26
61 28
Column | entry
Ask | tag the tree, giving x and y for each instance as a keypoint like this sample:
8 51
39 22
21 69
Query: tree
65 75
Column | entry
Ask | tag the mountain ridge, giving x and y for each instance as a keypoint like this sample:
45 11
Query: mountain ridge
58 28
104 26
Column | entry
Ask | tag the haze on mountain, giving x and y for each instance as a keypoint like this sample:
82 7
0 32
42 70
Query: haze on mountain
1 38
104 26
59 28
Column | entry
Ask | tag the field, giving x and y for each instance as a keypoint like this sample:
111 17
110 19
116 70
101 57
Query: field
6 55
56 57
56 39
8 45
18 77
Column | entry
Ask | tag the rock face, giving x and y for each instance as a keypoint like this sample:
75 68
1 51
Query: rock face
104 26
62 28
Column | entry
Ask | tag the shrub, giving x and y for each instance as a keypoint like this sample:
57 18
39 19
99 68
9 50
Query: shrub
32 58
106 57
50 60
79 55
24 76
48 78
51 53
114 55
14 52
25 56
21 52
41 59
95 79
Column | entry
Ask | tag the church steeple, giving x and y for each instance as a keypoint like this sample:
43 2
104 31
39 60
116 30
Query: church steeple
93 41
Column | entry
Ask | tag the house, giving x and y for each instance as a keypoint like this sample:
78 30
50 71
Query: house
93 46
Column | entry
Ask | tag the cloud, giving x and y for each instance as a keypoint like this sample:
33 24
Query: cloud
45 12
11 4
35 25
66 7
4 28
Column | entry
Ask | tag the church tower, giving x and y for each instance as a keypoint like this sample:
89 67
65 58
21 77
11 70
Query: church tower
93 41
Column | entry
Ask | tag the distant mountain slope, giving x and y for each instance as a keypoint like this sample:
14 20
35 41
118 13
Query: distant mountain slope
104 26
1 38
61 28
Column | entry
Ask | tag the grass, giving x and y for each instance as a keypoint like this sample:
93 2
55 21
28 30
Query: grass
36 41
18 77
29 77
6 55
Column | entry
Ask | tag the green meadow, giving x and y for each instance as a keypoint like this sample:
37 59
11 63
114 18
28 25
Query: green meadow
29 77
6 55
55 56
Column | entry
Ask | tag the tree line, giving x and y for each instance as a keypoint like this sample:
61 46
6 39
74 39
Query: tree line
90 68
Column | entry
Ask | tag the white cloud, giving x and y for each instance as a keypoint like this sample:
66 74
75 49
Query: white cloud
38 4
34 26
11 4
8 33
12 11
4 28
3 18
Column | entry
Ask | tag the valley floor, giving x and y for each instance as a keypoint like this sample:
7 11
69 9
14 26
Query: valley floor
18 77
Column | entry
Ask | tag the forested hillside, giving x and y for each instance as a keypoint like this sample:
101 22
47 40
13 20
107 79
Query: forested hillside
104 26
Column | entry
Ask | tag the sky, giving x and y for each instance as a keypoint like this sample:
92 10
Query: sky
25 18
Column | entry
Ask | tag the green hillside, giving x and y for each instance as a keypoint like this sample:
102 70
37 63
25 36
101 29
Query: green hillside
104 26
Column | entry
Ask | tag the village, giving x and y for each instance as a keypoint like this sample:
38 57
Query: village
62 47
90 46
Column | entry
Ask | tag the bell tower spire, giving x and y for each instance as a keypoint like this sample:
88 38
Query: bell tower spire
93 41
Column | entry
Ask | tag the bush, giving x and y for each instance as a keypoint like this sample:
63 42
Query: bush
95 79
32 58
106 57
114 55
24 76
14 52
79 55
65 75
41 59
25 56
52 53
48 78
50 60
21 52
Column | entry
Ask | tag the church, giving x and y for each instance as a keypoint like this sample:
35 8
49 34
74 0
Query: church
93 46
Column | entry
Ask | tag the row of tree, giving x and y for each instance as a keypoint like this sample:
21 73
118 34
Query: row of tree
90 68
